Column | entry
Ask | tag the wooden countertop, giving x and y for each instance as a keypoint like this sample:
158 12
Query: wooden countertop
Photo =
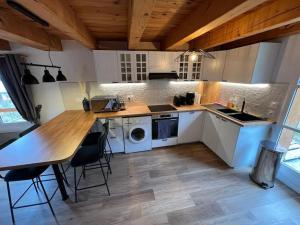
58 140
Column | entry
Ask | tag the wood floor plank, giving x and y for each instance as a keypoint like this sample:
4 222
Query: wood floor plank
179 185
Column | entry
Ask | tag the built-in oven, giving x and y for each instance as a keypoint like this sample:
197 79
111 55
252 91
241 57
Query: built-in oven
164 129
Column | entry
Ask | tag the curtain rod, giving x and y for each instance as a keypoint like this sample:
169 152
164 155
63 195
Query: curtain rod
40 65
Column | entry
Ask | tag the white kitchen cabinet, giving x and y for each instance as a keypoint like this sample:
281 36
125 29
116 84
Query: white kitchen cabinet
251 64
126 66
141 68
115 135
106 65
237 145
190 127
161 61
213 68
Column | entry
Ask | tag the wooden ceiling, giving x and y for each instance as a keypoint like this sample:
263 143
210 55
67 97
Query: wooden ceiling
150 24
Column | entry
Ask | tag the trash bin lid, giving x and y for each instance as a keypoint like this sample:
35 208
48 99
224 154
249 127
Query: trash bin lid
272 146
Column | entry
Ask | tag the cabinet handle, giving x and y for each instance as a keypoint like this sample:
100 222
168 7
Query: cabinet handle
224 120
204 80
218 117
192 112
165 139
224 80
113 137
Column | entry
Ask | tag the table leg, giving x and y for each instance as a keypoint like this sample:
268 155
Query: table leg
60 182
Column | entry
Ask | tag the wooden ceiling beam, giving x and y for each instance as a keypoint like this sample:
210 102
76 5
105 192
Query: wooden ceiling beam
209 15
265 36
271 15
60 15
139 13
4 45
14 29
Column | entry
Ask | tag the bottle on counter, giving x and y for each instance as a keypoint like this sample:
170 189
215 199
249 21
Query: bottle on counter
86 105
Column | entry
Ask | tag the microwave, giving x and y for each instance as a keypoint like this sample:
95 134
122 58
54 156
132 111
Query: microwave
106 103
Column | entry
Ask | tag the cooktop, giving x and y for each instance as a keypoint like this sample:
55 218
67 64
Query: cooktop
161 108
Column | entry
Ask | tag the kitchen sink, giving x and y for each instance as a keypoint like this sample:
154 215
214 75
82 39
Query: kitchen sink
227 111
245 117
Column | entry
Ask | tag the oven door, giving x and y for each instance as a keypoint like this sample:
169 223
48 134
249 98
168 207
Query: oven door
163 128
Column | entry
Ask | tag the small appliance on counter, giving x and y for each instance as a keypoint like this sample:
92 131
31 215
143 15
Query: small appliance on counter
190 97
107 103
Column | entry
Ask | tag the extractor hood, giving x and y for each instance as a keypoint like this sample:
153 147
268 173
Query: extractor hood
163 75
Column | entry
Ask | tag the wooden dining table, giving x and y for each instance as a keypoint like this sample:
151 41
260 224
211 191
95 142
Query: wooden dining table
54 142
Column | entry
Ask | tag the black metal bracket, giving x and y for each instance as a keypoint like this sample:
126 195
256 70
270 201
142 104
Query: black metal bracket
40 65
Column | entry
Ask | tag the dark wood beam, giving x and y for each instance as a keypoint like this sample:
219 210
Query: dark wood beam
4 45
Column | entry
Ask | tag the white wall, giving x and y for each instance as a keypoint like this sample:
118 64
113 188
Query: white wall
77 63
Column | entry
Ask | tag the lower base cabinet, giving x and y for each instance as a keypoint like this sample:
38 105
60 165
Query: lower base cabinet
115 135
190 127
238 146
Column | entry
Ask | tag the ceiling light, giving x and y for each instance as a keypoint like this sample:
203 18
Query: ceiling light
48 77
193 56
60 76
28 78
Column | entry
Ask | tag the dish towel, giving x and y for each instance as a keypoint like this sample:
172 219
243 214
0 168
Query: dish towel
163 129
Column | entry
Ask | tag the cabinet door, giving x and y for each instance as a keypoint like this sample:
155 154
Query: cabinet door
210 131
115 139
126 66
141 66
228 136
106 65
213 68
190 127
162 61
239 64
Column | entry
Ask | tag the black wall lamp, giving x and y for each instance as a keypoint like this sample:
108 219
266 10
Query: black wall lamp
28 78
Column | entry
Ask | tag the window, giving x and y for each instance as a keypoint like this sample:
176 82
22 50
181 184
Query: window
8 112
290 134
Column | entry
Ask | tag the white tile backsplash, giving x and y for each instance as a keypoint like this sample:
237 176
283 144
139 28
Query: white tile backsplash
151 92
261 99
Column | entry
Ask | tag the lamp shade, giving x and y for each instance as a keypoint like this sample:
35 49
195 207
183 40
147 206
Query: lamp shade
48 77
60 76
28 78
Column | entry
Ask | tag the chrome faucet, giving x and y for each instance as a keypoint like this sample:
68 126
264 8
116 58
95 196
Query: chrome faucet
243 106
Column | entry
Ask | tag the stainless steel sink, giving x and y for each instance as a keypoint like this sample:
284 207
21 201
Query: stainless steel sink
227 111
245 117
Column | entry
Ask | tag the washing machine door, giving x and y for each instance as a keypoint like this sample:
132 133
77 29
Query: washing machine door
137 134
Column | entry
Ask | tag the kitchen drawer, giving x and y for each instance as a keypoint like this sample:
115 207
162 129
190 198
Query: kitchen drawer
164 142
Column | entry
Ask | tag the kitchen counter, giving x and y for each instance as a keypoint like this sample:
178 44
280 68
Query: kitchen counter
143 110
213 109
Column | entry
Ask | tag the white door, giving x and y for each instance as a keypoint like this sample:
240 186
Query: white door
213 68
115 139
210 131
190 127
106 65
228 133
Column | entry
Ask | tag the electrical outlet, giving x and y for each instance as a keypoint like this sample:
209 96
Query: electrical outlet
130 98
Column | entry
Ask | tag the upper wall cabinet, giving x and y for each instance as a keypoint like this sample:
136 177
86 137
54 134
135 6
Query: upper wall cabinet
162 61
133 66
106 65
213 68
251 64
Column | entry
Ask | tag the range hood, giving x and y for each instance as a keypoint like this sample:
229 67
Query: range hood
163 75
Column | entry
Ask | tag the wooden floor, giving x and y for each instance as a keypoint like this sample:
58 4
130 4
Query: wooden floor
181 185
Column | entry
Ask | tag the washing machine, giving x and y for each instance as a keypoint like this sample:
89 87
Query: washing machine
137 133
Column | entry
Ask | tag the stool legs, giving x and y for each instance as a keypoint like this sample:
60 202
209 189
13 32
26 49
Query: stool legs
46 196
10 203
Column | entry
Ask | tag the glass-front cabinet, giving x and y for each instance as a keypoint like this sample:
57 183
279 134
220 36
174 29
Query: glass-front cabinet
133 66
189 66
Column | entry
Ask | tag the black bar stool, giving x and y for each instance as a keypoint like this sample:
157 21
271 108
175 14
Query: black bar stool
89 155
23 175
